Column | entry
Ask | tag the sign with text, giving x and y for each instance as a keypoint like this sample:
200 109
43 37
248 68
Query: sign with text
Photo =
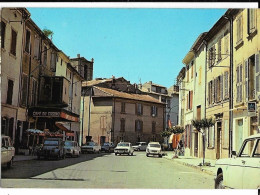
46 114
251 107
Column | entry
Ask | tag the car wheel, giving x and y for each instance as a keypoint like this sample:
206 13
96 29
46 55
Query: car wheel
138 149
147 155
160 156
116 154
10 163
219 182
132 154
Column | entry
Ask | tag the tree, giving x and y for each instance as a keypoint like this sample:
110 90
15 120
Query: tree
47 32
201 126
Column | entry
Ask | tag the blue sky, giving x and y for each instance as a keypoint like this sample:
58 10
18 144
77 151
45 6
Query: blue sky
134 43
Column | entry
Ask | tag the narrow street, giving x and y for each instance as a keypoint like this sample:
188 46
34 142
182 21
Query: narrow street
105 171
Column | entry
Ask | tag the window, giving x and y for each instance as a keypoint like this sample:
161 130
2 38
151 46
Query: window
61 62
36 48
13 43
257 149
24 89
138 125
210 92
168 103
219 50
226 42
28 41
153 111
247 148
153 127
190 99
251 21
10 92
122 125
33 92
103 122
45 56
123 107
219 88
239 30
53 61
252 77
139 109
187 73
211 136
3 27
226 87
211 56
239 83
192 69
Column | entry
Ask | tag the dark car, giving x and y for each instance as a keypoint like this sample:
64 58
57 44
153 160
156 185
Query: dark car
107 147
52 148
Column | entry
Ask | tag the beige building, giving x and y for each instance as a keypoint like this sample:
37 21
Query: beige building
11 65
246 79
116 115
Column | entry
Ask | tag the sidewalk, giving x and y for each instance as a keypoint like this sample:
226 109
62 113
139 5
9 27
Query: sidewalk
193 162
24 157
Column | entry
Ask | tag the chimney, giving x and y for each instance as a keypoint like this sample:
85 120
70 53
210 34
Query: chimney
78 55
92 60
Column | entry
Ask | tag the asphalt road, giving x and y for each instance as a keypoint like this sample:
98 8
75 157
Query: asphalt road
105 171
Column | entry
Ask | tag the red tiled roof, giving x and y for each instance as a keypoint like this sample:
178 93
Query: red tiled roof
139 97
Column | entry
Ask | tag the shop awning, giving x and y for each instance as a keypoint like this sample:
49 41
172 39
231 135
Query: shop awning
58 114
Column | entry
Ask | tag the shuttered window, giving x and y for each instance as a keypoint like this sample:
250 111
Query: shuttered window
53 61
139 109
28 41
257 75
153 111
33 92
24 89
3 27
10 92
221 87
122 125
251 19
45 56
246 79
138 125
211 137
36 48
122 107
226 43
239 29
219 50
226 85
13 43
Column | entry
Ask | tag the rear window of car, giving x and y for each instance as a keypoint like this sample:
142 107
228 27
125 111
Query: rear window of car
154 145
123 144
69 144
51 143
90 144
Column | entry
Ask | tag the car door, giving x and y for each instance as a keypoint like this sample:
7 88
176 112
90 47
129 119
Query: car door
251 172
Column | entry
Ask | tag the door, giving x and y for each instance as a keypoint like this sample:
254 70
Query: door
251 161
196 141
218 140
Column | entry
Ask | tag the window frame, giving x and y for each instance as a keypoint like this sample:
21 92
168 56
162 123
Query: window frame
27 45
11 42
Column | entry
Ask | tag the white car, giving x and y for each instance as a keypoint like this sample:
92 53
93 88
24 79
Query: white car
243 170
7 151
154 148
124 148
91 147
72 148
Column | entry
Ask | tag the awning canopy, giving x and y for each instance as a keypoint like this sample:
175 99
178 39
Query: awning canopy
58 114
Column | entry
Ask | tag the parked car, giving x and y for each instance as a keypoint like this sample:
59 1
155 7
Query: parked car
7 151
90 147
124 148
52 147
108 147
154 148
242 170
140 146
72 148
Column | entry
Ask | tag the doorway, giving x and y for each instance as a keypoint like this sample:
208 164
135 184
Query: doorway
196 144
218 144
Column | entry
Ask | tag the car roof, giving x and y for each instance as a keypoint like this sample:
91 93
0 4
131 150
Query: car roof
254 136
154 143
124 142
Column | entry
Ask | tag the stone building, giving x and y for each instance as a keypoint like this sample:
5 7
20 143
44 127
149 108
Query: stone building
118 113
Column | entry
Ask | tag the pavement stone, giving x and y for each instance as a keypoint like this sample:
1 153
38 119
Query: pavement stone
193 162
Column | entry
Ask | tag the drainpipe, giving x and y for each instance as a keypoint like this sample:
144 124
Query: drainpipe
113 121
89 106
206 59
82 120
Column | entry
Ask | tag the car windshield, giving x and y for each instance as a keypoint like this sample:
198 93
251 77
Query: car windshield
51 142
137 143
68 143
90 144
155 145
106 144
123 144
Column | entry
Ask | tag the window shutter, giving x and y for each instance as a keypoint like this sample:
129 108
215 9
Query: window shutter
221 87
208 93
240 83
136 125
187 106
246 79
191 99
237 84
257 74
36 48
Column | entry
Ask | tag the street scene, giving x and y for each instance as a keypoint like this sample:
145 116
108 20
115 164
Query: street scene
130 98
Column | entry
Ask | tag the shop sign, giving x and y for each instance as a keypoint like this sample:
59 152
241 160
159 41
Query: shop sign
46 114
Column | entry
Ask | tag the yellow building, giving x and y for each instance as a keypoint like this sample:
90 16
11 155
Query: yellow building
246 80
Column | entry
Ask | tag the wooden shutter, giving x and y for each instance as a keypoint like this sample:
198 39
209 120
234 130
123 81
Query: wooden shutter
221 87
187 102
237 84
13 43
240 83
209 94
257 76
246 80
191 99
